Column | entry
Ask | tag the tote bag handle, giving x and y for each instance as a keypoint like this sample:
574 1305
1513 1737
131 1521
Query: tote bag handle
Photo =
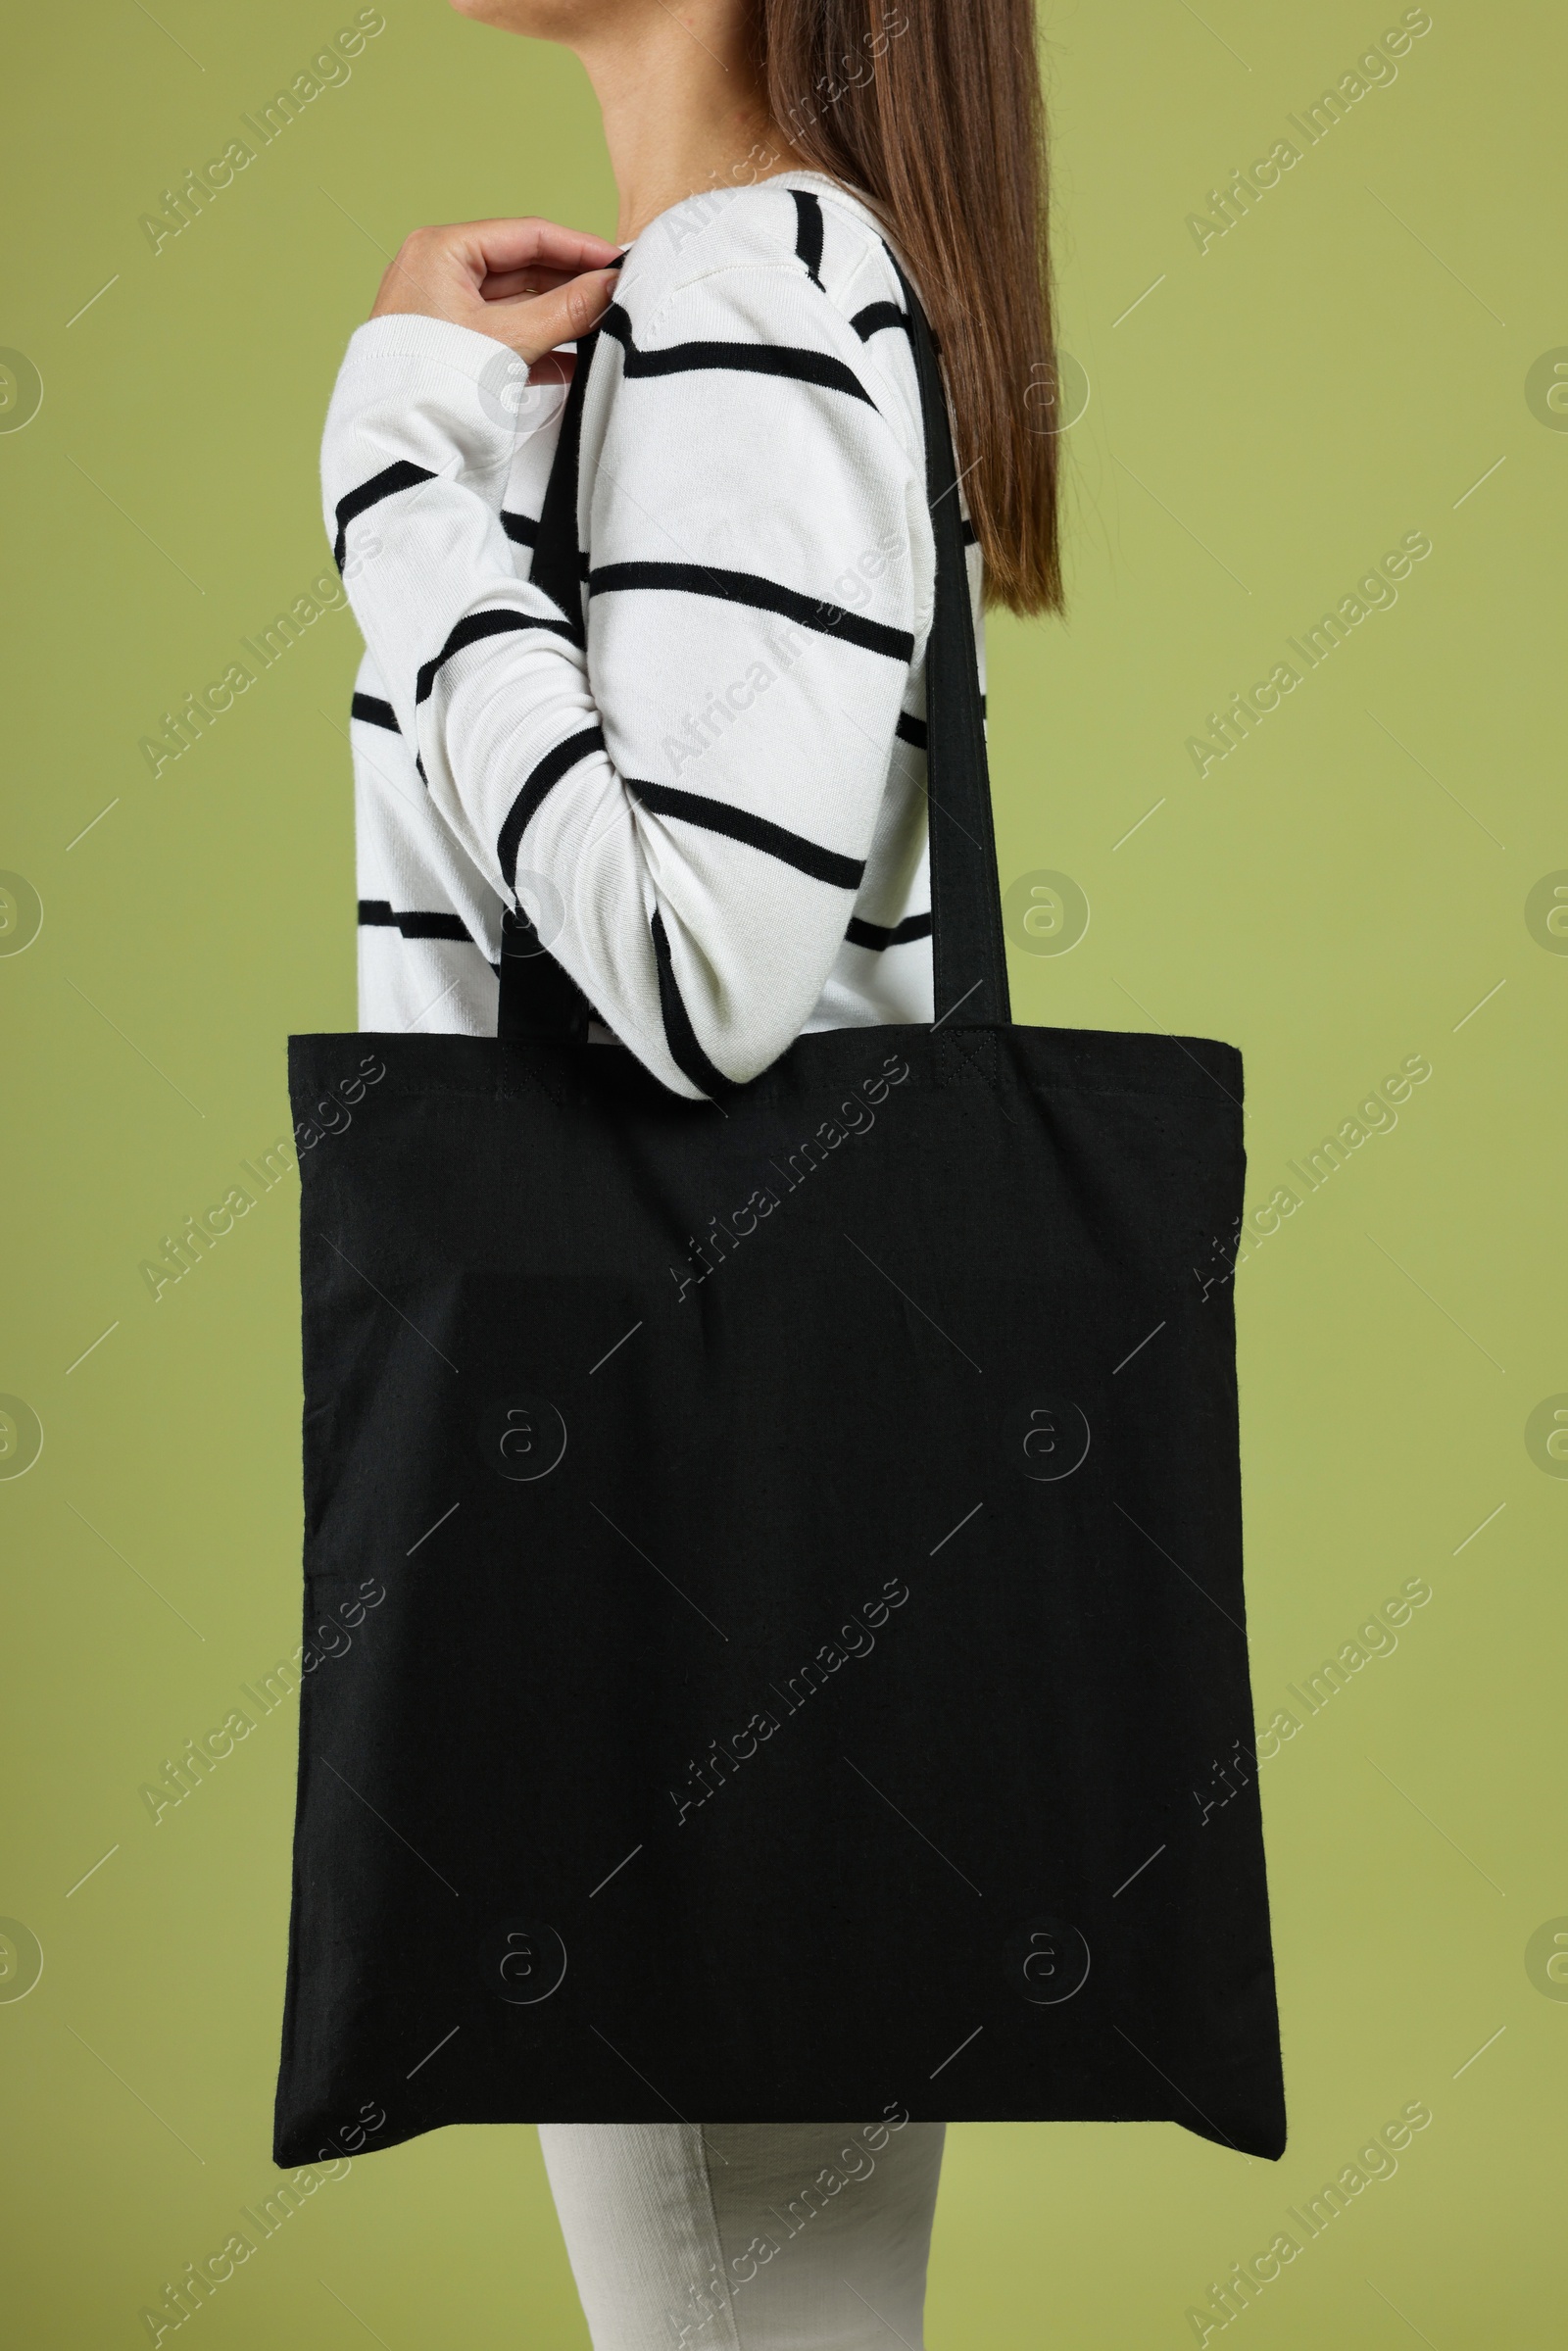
969 965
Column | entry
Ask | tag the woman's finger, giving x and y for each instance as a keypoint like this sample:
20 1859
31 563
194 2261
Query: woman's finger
513 244
537 280
533 327
521 282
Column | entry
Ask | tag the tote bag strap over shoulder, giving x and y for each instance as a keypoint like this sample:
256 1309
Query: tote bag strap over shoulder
968 960
969 965
538 997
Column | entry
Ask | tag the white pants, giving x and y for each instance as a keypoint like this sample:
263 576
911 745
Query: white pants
747 2236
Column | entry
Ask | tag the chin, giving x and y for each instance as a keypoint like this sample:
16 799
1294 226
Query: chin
536 19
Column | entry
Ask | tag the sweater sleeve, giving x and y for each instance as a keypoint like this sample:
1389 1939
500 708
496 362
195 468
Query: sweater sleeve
683 787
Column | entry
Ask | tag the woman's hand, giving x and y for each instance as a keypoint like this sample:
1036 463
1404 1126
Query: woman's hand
529 284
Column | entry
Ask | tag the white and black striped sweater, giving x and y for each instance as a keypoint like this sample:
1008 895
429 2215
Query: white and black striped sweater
707 789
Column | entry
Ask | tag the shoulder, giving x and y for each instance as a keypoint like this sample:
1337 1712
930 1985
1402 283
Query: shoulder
793 265
799 222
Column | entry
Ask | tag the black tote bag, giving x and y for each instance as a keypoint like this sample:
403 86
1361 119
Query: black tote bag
792 1547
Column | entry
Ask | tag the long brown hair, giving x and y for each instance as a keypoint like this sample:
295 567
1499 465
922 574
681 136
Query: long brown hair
933 109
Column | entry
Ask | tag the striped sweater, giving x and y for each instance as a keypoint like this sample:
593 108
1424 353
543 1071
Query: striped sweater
705 786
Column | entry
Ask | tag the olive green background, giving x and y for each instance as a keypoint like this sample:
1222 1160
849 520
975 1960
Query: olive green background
1350 362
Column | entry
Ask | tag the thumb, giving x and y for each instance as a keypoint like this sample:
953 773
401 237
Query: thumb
532 325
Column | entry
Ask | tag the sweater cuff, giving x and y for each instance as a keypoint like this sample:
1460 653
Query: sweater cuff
428 391
432 344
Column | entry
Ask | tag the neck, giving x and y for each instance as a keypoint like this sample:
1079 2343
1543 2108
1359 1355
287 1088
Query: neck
684 112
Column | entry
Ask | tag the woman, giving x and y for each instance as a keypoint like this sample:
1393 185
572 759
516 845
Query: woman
713 807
